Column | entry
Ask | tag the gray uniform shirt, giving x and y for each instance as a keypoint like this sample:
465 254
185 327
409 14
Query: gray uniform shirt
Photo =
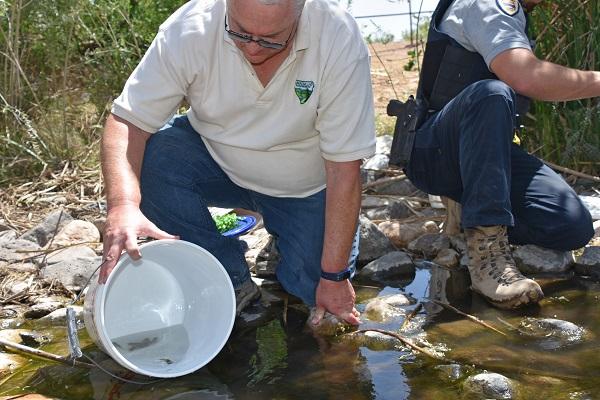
487 27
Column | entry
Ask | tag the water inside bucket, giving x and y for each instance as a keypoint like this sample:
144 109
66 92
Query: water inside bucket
156 348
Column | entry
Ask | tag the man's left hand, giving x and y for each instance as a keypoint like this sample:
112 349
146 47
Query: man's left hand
337 298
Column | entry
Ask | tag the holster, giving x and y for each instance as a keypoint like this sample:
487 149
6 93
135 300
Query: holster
404 131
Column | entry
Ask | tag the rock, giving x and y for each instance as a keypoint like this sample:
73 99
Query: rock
59 317
34 339
532 259
490 386
392 266
458 243
73 273
398 188
70 253
263 257
12 251
375 341
76 231
43 232
464 261
396 300
451 372
44 306
29 397
589 262
553 333
256 314
430 245
449 285
394 209
7 236
11 315
448 258
383 144
373 243
380 311
10 362
3 226
377 162
12 335
402 234
593 204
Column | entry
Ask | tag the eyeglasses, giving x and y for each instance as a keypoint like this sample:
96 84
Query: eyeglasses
245 38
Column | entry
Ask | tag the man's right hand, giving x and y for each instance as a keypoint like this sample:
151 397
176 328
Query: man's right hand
123 226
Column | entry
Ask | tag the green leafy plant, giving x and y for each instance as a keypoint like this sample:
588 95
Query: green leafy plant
226 222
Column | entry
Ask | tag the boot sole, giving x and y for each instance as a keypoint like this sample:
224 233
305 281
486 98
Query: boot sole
531 297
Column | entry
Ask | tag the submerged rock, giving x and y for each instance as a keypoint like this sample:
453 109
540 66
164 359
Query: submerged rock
451 372
375 341
380 311
397 300
554 333
490 386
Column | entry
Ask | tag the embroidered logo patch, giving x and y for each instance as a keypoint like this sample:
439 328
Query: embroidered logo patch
303 90
508 7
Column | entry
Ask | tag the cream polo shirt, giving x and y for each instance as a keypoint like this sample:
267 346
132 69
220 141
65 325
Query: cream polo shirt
273 139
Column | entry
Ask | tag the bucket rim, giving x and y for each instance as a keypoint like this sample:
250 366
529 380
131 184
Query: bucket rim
99 304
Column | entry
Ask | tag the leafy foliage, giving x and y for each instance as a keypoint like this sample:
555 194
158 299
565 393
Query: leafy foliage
568 133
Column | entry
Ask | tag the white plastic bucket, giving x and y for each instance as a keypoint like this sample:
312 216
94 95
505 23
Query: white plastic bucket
165 315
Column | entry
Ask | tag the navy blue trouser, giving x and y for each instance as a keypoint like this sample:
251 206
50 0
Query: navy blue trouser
180 179
465 152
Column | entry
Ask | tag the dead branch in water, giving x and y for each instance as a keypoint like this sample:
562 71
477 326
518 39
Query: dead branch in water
471 317
44 354
410 316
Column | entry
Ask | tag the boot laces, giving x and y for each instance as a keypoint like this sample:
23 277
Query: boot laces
496 260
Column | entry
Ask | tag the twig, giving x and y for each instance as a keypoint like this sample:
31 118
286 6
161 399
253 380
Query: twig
408 343
44 354
411 315
43 262
48 251
571 171
471 317
383 181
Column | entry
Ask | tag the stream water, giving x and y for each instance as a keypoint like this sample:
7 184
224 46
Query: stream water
278 358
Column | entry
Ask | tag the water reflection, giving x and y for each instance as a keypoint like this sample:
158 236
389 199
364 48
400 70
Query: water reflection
281 359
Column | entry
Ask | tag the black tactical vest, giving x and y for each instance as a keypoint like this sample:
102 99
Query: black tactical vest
448 68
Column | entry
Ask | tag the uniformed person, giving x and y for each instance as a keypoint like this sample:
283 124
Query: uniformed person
478 74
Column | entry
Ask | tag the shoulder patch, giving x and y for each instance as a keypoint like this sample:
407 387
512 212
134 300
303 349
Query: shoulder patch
508 7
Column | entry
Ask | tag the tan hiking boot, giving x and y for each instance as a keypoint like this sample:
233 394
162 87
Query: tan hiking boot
493 271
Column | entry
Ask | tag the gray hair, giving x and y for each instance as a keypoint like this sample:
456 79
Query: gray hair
298 4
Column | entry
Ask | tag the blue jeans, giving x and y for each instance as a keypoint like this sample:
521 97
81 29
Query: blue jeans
465 152
180 180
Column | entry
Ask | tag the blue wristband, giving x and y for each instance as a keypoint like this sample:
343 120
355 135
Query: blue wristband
348 273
